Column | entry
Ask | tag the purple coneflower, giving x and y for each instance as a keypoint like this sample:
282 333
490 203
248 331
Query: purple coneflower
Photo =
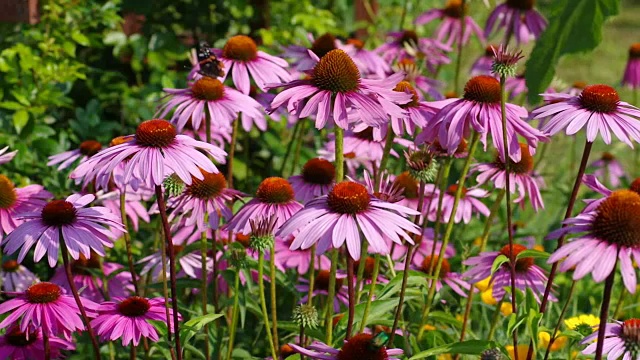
428 86
410 191
334 87
369 62
631 76
418 113
65 222
134 206
86 150
407 44
483 65
611 236
154 152
518 18
598 107
15 201
515 86
302 60
190 262
360 346
424 248
128 319
427 264
479 110
317 179
29 345
45 306
610 168
469 204
450 28
16 277
521 177
621 340
321 287
339 216
5 158
274 197
296 259
528 274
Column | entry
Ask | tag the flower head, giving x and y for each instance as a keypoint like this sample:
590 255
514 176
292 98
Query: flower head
29 345
504 62
317 179
631 77
15 201
5 158
450 29
428 263
584 324
621 340
610 168
517 18
85 150
469 203
361 346
16 277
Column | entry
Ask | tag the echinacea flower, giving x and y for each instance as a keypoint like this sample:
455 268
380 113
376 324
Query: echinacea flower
410 191
86 150
521 177
413 74
621 340
334 88
5 158
29 345
631 76
450 29
483 65
208 196
67 223
15 201
369 62
610 168
274 197
528 274
301 56
16 277
339 216
45 306
479 110
128 319
515 86
598 107
407 44
296 259
469 204
321 287
611 237
360 346
155 151
317 179
518 18
417 113
427 264
134 206
207 94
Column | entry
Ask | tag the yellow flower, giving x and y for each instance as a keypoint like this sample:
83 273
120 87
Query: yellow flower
477 241
483 284
538 247
487 297
429 327
544 338
445 357
576 322
505 309
522 351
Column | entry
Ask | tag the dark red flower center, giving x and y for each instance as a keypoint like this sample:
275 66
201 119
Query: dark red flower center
631 331
429 264
336 72
240 47
482 89
15 337
319 171
523 5
618 219
450 95
243 239
210 187
361 347
409 37
176 250
348 198
635 186
634 51
451 190
10 266
58 213
8 194
488 51
356 43
134 306
90 147
523 167
455 9
155 133
323 45
580 85
120 140
274 190
322 281
407 65
599 98
522 264
44 292
607 156
405 87
366 134
81 266
369 263
286 351
409 185
208 88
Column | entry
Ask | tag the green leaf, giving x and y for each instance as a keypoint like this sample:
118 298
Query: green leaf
20 119
197 323
533 254
572 28
500 259
80 38
470 347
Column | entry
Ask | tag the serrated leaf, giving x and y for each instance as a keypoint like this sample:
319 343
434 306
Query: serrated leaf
470 347
572 28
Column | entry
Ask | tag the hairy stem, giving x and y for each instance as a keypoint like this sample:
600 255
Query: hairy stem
263 304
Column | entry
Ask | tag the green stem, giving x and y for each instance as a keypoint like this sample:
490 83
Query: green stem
296 154
620 302
404 14
372 289
552 339
328 320
203 284
165 293
232 151
385 157
361 266
294 136
339 145
263 304
127 240
446 169
352 295
494 320
234 312
272 283
312 277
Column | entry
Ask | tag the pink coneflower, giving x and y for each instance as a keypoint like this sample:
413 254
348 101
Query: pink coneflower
417 113
450 28
317 178
260 120
369 62
611 236
5 158
134 206
86 150
407 44
598 107
518 18
274 197
154 152
427 264
302 60
321 287
368 142
337 217
515 86
470 204
334 87
15 201
410 191
528 274
207 94
520 175
15 277
29 345
84 270
360 346
479 110
81 228
428 86
621 340
190 263
608 167
483 65
44 306
424 248
208 196
576 88
129 319
631 76
297 259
